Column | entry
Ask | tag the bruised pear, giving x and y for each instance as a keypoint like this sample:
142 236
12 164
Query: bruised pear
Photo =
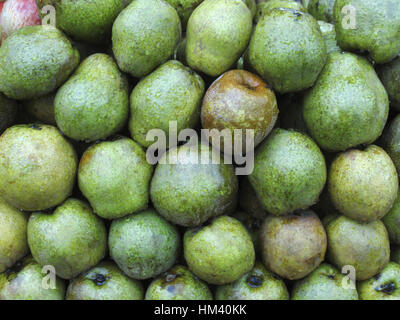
383 286
27 280
294 245
239 100
258 284
104 282
172 92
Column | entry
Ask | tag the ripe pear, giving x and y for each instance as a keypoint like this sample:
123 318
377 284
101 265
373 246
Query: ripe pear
362 246
325 283
292 246
27 280
363 184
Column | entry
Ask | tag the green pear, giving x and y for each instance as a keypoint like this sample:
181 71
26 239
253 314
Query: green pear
265 7
325 283
391 141
329 34
392 221
144 244
188 191
27 280
37 167
289 172
42 108
144 35
321 9
348 105
87 21
94 102
104 282
390 75
185 8
178 284
72 238
217 34
292 246
220 252
369 25
34 61
363 246
257 284
363 184
172 92
107 166
287 49
13 241
383 286
8 112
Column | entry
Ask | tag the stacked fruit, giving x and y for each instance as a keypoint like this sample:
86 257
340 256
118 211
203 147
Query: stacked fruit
107 190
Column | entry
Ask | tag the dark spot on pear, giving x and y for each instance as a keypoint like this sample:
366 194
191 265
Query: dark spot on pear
254 281
386 288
